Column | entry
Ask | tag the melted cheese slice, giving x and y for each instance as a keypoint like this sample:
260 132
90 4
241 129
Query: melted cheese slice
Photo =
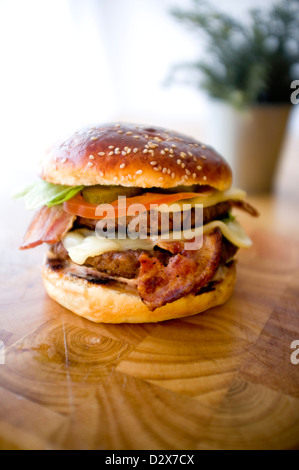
82 244
233 194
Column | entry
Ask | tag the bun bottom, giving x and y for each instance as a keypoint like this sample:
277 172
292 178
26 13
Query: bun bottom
118 304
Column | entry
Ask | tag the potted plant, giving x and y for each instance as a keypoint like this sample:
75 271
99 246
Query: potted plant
249 66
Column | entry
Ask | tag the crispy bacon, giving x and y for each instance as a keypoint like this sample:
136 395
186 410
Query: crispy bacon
185 273
246 207
49 225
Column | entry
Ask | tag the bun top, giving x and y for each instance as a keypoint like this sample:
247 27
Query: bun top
134 155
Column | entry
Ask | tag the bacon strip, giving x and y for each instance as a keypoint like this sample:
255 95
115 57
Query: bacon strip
246 207
49 225
185 273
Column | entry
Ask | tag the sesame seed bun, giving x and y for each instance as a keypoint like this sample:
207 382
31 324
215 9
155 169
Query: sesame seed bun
131 155
118 304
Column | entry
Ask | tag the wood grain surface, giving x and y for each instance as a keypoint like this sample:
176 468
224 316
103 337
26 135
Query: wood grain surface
219 380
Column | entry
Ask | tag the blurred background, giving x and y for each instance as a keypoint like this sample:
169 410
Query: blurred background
69 63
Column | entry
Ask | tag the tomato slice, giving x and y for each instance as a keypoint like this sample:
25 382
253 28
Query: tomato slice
78 206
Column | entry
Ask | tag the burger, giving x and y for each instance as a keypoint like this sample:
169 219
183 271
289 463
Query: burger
85 180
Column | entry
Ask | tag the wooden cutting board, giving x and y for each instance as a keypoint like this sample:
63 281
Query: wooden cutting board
219 380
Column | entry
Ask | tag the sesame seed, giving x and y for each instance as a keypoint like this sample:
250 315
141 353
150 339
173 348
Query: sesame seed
169 171
171 150
123 165
205 178
161 178
110 153
90 164
117 125
183 165
111 147
203 147
158 139
190 154
64 160
174 146
162 152
203 157
196 145
101 174
183 155
153 163
117 151
173 175
91 157
128 151
129 133
139 172
94 138
152 146
157 168
136 137
166 150
145 151
188 172
129 177
179 161
199 167
164 171
124 152
101 154
120 132
194 176
135 150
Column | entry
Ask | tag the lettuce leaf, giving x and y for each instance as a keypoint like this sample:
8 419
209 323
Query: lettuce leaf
42 193
229 218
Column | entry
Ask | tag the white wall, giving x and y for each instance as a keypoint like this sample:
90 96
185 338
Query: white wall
67 63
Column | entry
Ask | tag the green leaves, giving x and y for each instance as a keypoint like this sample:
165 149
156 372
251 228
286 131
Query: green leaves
250 62
42 193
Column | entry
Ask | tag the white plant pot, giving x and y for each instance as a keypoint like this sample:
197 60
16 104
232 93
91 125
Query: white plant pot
251 141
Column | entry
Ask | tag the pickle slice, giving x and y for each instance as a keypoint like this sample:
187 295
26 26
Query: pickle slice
108 194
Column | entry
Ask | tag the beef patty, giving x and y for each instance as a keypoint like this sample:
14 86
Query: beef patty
126 264
218 211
